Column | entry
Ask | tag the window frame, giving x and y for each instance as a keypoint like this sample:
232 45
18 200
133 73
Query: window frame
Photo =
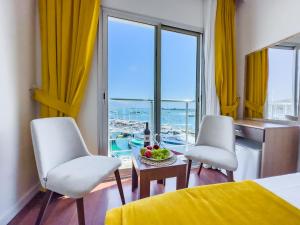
199 76
296 88
159 25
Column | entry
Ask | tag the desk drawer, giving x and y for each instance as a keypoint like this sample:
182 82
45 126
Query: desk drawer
249 132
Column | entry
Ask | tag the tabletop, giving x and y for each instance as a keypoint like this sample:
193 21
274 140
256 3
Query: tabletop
141 166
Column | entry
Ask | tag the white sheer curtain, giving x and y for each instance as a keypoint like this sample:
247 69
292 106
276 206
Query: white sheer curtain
209 13
212 106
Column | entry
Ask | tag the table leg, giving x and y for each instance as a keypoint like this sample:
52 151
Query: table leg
181 180
134 178
144 187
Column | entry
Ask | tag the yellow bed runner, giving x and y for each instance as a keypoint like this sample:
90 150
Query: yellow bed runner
240 203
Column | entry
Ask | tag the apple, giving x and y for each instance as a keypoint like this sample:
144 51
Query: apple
149 147
148 153
143 150
155 146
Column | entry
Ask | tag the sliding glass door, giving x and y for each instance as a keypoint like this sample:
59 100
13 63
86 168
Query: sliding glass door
131 54
178 87
151 74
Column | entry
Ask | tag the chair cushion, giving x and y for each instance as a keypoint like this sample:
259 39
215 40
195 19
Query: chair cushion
213 156
78 177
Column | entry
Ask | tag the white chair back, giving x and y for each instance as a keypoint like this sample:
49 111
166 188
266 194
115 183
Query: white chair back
55 140
217 131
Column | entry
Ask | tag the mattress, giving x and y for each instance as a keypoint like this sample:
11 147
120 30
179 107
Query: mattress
285 186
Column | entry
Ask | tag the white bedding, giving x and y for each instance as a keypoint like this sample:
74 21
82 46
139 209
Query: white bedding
285 186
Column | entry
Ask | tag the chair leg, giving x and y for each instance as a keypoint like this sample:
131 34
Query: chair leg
229 176
80 211
188 173
118 179
199 171
46 201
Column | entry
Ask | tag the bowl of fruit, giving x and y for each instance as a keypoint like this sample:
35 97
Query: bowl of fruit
156 153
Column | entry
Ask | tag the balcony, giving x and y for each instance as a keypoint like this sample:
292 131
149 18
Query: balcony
127 119
278 110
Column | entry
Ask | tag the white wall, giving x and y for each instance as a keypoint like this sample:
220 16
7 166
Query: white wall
187 12
88 116
17 74
261 23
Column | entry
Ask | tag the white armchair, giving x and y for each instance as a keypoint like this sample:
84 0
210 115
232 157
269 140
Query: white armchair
215 145
65 165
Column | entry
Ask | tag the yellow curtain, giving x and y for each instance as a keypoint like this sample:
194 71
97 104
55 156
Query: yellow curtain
225 57
257 71
68 31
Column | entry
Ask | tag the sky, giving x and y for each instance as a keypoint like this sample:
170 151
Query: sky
131 62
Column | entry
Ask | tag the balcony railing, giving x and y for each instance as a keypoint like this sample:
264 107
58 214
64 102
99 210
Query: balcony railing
278 110
127 117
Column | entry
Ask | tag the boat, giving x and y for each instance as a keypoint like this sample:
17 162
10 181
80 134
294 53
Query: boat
134 143
173 140
122 143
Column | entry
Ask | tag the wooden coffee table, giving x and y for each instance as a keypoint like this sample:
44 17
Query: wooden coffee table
145 173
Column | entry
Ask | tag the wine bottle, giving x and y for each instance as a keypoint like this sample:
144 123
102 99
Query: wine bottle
146 136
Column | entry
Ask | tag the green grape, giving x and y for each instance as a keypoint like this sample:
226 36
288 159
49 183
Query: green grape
160 153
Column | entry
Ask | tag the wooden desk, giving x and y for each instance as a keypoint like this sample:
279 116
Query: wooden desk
147 173
279 145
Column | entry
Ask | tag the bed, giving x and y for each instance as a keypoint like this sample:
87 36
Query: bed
268 201
286 186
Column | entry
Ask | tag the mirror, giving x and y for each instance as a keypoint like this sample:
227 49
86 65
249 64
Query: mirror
272 81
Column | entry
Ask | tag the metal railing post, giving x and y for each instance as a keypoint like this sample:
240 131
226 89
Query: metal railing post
186 121
152 114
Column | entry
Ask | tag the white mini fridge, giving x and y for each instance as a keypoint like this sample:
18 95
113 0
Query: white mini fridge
249 159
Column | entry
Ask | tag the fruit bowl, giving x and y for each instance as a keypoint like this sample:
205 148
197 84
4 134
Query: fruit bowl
155 153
